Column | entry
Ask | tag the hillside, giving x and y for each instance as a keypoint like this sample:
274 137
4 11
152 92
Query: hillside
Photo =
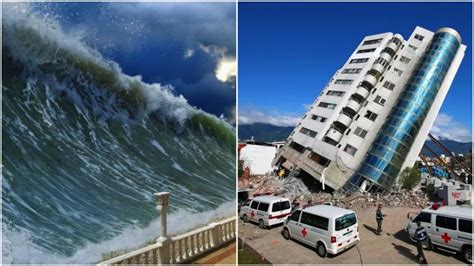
270 133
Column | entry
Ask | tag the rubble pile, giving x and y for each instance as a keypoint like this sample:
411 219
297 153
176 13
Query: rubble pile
294 188
404 198
289 187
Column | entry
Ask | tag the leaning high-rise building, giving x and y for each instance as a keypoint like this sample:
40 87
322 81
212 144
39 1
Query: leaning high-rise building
373 116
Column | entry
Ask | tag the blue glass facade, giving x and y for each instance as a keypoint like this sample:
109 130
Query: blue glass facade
393 142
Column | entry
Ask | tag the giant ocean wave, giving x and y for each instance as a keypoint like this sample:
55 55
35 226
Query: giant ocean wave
85 146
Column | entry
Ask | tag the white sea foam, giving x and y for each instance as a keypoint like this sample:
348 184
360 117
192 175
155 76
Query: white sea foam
159 147
19 19
18 248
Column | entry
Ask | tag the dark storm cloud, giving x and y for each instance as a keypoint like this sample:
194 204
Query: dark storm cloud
181 44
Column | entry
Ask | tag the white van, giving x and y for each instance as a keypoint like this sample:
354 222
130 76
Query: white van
448 227
329 229
266 210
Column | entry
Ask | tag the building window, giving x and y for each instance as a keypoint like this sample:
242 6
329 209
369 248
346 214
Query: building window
388 85
318 118
343 81
398 71
297 147
335 93
380 100
359 60
412 48
351 71
327 105
373 41
397 41
370 115
308 132
405 60
419 37
363 51
321 160
389 51
360 132
381 61
350 149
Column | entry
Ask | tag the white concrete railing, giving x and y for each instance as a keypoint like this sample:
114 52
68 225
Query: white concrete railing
190 245
182 248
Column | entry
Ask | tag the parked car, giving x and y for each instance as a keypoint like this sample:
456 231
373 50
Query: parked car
266 210
448 228
328 229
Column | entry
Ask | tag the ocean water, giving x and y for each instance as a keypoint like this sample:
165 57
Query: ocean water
85 146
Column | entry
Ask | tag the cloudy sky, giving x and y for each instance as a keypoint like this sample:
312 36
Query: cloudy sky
289 51
188 45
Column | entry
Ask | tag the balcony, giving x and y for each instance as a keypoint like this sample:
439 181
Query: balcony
354 105
389 51
386 57
334 135
379 68
371 80
374 73
392 46
362 91
345 119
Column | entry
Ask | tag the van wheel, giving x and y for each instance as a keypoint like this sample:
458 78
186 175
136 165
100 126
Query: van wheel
427 245
261 224
286 234
245 218
467 254
321 250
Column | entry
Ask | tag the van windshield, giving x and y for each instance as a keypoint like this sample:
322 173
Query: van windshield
345 221
281 206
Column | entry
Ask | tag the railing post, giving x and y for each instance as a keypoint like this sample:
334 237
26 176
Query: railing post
162 208
215 234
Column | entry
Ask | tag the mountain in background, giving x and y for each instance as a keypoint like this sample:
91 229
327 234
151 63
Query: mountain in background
451 145
264 132
270 133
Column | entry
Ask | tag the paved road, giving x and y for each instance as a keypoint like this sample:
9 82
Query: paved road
393 246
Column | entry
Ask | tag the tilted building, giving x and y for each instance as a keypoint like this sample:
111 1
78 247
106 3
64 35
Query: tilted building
371 120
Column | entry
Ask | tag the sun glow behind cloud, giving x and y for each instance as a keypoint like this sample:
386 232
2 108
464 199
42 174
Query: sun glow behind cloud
226 69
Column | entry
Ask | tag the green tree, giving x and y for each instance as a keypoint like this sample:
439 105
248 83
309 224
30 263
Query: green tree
410 177
240 169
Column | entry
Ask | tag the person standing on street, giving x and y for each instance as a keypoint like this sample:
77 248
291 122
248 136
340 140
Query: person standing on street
379 217
420 236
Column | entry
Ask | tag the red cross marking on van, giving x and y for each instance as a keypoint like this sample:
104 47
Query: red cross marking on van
252 214
304 232
446 237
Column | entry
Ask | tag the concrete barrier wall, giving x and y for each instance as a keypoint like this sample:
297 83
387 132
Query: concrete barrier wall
183 248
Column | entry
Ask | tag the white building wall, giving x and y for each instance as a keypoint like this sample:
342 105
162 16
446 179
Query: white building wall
258 158
342 160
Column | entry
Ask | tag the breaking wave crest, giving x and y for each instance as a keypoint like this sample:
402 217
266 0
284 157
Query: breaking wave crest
85 146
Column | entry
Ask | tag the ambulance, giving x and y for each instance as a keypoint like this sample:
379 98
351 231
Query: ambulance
328 229
448 228
265 210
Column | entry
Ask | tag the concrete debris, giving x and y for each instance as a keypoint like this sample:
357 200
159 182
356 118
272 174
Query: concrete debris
288 187
294 188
